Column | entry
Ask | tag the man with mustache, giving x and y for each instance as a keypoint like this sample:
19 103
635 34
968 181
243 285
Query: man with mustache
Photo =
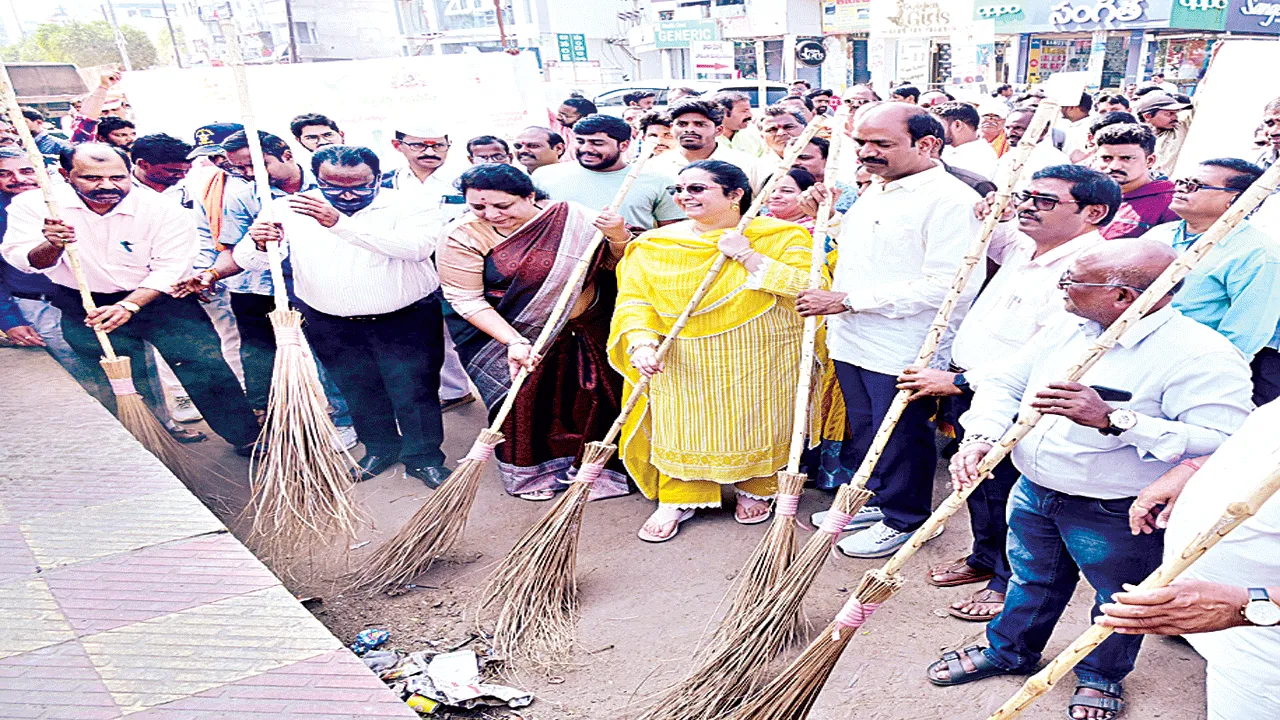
1057 217
538 147
900 245
134 245
1044 155
696 125
1126 152
738 128
603 141
779 126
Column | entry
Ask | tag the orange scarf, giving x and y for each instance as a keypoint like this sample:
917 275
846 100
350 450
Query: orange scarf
211 199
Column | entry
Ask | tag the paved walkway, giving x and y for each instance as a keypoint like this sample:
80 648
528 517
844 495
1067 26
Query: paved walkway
121 595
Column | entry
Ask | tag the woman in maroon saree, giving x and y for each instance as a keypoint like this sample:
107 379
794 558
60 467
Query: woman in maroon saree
502 268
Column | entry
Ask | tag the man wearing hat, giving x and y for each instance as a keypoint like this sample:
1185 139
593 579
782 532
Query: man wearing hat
991 127
1163 112
426 148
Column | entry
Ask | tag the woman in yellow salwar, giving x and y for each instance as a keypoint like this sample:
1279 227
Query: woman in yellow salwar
719 409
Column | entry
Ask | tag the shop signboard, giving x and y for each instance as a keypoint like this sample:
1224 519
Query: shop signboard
712 60
1049 16
1199 14
678 34
972 51
842 17
913 61
916 18
1254 16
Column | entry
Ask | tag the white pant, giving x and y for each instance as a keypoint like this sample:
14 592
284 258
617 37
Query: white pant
1232 697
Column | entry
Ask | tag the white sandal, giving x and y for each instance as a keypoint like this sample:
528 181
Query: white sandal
537 495
679 519
755 520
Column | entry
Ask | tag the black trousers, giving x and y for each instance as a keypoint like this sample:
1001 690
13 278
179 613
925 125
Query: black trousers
1266 376
183 334
388 368
988 509
257 344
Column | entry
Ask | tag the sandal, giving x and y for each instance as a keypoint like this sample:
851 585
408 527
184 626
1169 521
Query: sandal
537 495
1112 704
956 573
957 675
984 596
679 519
768 513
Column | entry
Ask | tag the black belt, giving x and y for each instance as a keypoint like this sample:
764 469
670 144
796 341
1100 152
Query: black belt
428 300
40 297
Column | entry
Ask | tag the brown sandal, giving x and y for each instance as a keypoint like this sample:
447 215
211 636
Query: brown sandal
957 572
982 597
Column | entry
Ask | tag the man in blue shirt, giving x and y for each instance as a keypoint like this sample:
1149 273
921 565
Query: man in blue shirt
48 144
1236 288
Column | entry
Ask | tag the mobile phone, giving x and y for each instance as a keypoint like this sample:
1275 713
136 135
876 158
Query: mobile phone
1112 394
454 200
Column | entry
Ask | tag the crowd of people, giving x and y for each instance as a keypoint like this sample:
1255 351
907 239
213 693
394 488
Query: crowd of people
422 290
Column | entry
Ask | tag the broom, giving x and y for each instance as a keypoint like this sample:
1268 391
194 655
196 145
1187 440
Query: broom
731 668
300 486
130 409
777 548
878 585
438 524
535 586
1235 514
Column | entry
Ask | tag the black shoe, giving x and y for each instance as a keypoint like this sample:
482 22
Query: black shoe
246 450
371 466
430 475
454 404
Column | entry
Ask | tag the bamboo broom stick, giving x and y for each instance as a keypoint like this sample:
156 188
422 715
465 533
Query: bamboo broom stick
535 585
301 484
438 524
130 409
778 547
879 585
730 671
1235 514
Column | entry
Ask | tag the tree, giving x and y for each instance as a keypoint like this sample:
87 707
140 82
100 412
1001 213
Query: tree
85 44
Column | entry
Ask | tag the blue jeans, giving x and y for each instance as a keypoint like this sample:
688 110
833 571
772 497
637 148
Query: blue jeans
1053 537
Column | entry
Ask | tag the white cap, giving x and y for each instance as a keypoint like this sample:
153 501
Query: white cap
992 106
419 127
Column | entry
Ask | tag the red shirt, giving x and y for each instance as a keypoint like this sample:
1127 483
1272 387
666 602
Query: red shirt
1142 210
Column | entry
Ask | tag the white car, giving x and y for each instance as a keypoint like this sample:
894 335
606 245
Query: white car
610 101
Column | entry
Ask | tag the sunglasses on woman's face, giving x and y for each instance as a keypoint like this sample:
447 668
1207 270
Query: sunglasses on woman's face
691 188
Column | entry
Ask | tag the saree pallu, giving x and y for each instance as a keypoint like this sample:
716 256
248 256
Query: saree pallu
573 396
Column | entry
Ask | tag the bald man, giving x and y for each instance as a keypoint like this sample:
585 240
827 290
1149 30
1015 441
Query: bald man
134 247
1166 391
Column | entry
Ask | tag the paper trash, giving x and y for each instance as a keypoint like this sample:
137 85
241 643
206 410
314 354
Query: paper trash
454 679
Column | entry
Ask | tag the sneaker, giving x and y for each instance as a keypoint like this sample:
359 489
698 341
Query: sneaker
867 515
184 410
346 439
877 541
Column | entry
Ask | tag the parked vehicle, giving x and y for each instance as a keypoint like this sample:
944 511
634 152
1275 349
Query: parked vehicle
610 101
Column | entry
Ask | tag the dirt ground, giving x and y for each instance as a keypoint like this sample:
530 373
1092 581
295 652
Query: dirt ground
645 607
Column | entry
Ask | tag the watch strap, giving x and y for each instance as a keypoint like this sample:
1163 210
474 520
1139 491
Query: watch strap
132 307
1259 594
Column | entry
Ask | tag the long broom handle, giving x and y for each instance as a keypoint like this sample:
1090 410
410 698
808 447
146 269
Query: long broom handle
14 111
1235 514
817 261
261 180
1044 115
1186 262
562 303
788 159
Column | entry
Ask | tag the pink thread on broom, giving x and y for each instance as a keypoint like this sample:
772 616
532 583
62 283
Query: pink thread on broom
123 386
833 524
854 614
786 505
480 452
588 473
288 336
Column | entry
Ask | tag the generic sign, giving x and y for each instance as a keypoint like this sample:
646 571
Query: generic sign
679 34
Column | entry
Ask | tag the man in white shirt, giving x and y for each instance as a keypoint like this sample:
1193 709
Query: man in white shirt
1076 127
739 128
1058 217
600 170
1044 155
134 246
1167 390
965 148
900 245
363 276
696 125
1227 605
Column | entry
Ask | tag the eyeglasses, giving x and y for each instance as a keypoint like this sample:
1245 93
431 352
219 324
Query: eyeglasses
691 188
1044 203
1066 283
1193 186
360 191
494 158
419 147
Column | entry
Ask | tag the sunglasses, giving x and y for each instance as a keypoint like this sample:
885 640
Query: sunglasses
361 191
691 188
1193 186
1044 203
1066 283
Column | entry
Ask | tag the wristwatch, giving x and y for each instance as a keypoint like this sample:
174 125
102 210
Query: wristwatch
1120 420
1260 610
133 308
961 382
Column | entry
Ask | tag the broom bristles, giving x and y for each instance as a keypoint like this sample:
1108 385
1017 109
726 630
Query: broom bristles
433 530
730 674
535 586
138 419
772 556
301 484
